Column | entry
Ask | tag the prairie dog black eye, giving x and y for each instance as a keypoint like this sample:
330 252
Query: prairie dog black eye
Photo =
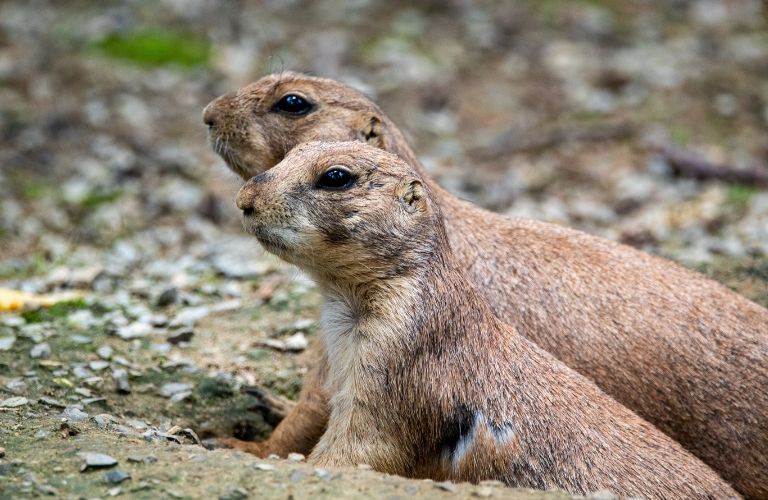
336 178
292 104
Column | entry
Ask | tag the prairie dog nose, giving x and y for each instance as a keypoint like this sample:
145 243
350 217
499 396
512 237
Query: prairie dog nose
209 114
247 194
244 199
212 112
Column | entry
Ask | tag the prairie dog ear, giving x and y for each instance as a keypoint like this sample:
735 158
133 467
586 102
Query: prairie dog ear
371 130
412 195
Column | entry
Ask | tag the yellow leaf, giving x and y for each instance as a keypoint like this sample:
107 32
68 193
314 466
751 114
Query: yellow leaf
13 300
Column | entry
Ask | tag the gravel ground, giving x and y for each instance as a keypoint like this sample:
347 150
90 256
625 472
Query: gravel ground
575 113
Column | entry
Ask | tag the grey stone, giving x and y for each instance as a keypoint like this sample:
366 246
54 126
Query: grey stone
7 342
167 297
149 459
82 372
95 460
180 396
73 414
104 352
116 476
14 320
135 330
16 385
183 334
234 494
173 388
55 403
42 434
80 339
447 486
98 364
120 376
323 474
483 492
190 315
14 402
104 420
42 350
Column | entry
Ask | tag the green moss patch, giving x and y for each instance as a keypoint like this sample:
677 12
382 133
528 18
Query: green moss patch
156 48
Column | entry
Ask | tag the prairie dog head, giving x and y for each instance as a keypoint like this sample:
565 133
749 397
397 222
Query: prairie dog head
253 128
342 210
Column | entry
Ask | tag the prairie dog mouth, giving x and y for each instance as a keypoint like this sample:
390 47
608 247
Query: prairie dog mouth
221 147
281 239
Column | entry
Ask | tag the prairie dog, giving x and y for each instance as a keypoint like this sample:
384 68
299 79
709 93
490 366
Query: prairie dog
424 380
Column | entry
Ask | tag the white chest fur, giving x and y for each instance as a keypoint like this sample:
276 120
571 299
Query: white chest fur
340 325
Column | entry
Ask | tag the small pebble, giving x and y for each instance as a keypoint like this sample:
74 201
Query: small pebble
16 385
447 486
42 350
264 467
80 339
136 424
73 414
174 388
104 352
82 391
149 459
483 492
52 402
14 320
323 474
82 372
234 494
183 334
116 476
134 330
6 343
95 460
167 297
296 457
113 492
104 420
120 376
296 342
98 365
42 434
14 402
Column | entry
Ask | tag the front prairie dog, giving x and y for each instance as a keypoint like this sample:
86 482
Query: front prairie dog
424 380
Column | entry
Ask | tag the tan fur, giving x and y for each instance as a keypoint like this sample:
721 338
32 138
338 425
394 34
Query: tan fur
684 352
414 388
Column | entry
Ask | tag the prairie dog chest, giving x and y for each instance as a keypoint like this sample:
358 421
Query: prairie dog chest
355 343
340 331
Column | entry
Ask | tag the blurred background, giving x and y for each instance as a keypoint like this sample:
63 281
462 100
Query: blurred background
575 112
641 121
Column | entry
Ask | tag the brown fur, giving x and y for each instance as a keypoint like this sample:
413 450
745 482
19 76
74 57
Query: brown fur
414 388
684 352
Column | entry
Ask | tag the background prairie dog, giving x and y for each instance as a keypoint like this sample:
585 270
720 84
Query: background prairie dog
682 351
423 379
